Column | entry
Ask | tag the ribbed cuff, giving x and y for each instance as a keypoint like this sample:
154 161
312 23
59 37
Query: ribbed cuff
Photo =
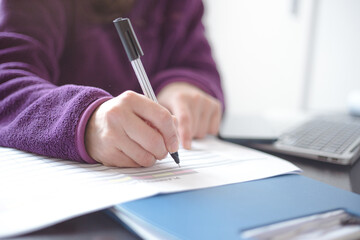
80 130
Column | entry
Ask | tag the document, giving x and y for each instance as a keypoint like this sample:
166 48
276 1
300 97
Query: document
38 191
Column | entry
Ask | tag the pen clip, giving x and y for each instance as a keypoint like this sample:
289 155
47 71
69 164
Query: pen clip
128 38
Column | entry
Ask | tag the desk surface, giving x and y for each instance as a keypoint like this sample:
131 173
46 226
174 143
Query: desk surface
100 226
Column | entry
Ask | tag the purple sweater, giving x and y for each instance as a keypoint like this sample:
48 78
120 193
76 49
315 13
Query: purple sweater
56 66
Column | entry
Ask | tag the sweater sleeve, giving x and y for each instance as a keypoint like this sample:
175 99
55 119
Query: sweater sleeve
36 115
186 53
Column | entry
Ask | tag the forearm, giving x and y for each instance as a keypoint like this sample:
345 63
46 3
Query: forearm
36 115
39 117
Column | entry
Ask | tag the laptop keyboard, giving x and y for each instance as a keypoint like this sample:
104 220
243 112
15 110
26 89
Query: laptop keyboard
323 135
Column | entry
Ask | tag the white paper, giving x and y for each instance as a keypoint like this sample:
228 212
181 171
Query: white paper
38 191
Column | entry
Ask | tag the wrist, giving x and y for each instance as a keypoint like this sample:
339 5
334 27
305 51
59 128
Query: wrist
81 127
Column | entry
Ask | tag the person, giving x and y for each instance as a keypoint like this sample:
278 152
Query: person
68 90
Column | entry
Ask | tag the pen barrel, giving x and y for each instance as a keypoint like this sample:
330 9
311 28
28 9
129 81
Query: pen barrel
143 79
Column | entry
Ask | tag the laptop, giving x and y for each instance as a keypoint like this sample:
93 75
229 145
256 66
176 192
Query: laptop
327 138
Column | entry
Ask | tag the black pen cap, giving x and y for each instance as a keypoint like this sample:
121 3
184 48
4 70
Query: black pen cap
128 38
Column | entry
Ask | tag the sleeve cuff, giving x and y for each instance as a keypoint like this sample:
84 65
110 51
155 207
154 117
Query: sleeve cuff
80 130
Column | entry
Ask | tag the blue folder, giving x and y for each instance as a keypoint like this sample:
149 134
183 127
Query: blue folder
225 212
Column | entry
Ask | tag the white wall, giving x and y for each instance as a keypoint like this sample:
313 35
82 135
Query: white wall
262 48
336 62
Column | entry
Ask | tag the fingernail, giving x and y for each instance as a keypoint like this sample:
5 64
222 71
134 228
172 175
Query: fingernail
174 147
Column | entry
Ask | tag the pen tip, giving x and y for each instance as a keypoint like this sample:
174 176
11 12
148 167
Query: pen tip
175 156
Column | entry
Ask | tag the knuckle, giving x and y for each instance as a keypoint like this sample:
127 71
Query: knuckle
111 114
197 96
164 116
184 119
129 93
113 111
179 97
175 120
210 102
106 135
128 96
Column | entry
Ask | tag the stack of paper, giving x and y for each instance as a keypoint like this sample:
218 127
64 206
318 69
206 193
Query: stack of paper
37 191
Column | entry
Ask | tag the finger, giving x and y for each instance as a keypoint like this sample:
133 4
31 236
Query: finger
216 119
159 117
134 151
144 135
117 159
204 122
196 108
184 117
175 121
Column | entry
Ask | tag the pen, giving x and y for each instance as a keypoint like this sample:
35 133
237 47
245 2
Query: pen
134 52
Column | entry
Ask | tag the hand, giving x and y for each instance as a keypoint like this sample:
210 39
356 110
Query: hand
130 131
197 112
